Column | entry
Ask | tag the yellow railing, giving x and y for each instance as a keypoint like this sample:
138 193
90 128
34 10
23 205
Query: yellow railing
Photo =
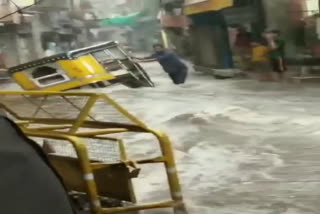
76 116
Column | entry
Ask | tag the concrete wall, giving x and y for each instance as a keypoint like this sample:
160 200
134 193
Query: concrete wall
280 13
277 14
283 15
25 48
210 40
204 52
9 48
152 7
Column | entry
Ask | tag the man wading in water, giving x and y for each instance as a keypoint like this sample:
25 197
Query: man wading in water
170 63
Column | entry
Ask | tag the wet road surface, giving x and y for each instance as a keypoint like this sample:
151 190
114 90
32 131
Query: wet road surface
241 146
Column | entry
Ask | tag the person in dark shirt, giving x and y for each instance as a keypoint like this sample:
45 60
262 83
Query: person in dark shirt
277 52
170 63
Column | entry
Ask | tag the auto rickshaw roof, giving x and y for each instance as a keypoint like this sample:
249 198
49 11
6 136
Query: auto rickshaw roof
87 50
38 62
63 56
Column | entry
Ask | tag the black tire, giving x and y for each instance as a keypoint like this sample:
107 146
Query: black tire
101 84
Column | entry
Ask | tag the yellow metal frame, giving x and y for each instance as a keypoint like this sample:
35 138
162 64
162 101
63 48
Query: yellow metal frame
82 71
71 131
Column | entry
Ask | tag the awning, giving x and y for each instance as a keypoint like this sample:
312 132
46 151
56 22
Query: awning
129 20
200 6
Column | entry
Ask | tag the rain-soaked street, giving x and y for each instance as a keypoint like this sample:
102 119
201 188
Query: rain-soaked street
241 146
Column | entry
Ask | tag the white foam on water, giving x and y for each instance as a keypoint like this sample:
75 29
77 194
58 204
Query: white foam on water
236 142
209 168
242 114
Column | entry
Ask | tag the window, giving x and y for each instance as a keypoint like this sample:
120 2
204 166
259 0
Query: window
51 80
109 58
45 76
43 71
109 54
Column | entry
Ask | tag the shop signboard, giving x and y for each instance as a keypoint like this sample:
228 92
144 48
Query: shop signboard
201 6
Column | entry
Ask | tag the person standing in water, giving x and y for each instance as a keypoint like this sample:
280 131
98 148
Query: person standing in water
276 53
170 63
260 60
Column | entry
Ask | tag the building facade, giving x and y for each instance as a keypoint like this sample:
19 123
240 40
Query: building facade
14 45
211 19
26 36
288 16
209 33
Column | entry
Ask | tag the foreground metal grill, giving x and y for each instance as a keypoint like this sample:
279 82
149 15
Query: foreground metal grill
85 130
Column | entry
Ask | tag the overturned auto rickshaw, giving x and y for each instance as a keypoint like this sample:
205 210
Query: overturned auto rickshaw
97 66
87 135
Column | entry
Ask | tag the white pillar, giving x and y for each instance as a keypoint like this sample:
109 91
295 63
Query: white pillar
36 34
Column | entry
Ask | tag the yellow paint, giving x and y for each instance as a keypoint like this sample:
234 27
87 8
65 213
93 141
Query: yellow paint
65 86
165 39
24 81
82 128
81 71
77 83
260 53
82 67
210 5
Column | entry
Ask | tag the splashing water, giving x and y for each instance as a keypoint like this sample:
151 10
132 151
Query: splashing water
241 146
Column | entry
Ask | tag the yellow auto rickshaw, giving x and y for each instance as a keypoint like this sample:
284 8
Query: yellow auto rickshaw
99 65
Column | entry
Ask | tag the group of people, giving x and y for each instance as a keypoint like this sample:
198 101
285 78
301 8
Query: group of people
267 55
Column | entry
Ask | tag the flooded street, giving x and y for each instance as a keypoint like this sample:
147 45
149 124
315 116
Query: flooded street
241 146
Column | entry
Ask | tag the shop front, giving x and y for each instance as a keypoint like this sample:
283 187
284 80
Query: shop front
209 33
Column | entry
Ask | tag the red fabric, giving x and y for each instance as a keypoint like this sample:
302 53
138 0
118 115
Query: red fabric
2 61
243 40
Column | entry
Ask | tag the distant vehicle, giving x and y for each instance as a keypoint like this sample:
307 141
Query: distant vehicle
98 66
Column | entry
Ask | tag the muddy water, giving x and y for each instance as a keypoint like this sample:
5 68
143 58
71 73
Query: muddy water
241 146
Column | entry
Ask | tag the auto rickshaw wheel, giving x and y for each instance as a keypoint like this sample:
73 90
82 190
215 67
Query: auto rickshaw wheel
101 84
